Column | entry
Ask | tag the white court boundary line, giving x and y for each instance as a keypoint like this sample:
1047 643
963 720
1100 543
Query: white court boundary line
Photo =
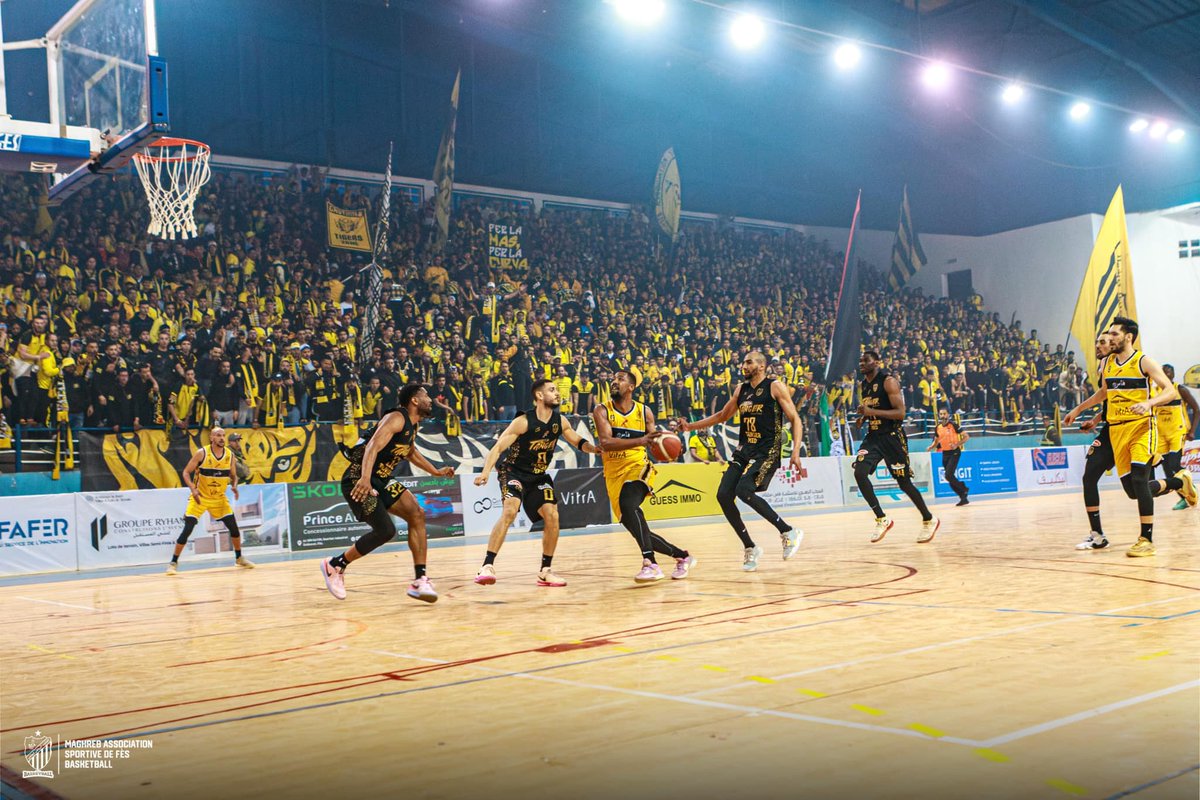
838 723
1033 730
937 646
55 603
752 710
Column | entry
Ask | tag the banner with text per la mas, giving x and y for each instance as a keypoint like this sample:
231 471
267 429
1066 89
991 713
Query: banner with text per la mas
506 248
347 228
684 490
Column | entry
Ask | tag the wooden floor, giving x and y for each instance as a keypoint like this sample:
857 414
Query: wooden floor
995 662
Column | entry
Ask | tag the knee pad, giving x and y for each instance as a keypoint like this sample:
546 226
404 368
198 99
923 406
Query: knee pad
189 525
861 471
1127 484
232 526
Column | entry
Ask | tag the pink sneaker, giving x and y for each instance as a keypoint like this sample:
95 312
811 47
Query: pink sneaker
335 581
650 573
486 576
422 589
682 567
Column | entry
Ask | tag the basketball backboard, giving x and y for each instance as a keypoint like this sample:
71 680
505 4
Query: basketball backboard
106 92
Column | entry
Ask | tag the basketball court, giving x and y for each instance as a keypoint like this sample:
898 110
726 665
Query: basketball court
996 661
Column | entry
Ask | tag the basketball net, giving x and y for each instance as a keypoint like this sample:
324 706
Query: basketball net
172 172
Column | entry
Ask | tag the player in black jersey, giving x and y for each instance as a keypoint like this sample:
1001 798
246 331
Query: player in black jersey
1100 459
373 495
763 403
881 406
527 446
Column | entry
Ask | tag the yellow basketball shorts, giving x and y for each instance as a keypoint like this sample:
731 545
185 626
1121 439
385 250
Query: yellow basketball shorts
218 507
616 477
1134 442
1171 441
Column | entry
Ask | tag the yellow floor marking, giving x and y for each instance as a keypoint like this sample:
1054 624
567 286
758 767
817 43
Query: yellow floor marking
667 658
760 679
1159 654
48 651
714 668
623 649
875 712
925 729
812 692
991 755
1067 786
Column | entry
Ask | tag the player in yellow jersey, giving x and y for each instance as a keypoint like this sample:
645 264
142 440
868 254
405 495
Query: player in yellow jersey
1173 430
1125 385
207 474
624 427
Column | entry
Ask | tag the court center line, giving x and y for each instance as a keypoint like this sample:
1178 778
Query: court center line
1092 712
937 646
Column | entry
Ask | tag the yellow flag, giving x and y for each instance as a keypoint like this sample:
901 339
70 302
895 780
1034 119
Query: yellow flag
347 228
668 200
1107 289
45 222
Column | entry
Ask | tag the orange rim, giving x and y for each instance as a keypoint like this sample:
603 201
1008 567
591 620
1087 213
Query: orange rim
200 149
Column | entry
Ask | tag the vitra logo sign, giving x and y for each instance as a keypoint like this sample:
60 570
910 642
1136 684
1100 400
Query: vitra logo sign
99 531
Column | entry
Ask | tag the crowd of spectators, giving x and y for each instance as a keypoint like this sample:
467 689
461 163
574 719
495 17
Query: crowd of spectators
256 322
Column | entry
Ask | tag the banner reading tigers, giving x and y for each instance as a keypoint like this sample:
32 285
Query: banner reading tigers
347 228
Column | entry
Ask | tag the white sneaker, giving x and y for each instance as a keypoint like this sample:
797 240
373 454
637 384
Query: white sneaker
422 589
928 528
750 558
882 526
1094 541
791 542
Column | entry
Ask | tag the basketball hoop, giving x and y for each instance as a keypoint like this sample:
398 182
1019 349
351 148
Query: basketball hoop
172 172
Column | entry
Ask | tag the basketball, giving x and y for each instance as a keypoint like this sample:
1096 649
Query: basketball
668 448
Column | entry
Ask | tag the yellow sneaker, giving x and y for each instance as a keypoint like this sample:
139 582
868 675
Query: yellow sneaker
244 562
1142 547
172 568
1188 492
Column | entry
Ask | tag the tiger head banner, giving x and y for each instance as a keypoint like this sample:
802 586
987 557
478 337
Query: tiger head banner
347 227
154 459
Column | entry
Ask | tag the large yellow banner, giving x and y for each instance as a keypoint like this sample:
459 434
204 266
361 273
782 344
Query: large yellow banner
1107 289
348 229
684 490
152 459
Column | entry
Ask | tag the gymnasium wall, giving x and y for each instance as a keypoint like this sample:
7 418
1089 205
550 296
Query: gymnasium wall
1036 272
